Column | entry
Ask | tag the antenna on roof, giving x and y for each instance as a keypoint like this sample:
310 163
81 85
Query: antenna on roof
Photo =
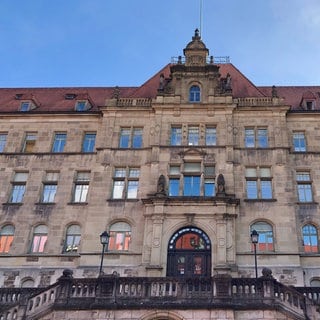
200 17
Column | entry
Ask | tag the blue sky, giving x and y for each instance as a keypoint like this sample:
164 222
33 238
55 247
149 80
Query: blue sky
58 43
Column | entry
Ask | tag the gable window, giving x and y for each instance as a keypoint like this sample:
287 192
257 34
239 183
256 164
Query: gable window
258 183
59 142
265 236
176 136
18 187
120 236
304 187
130 138
125 183
89 141
310 238
256 138
39 239
29 142
73 236
81 187
6 238
190 182
299 142
193 136
25 106
3 141
49 188
82 105
194 94
211 136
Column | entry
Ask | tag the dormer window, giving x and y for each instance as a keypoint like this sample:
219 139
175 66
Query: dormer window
26 106
310 105
194 94
82 105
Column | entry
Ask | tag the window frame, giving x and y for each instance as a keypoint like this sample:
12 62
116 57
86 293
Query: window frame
210 138
18 188
59 142
299 141
29 142
259 186
39 246
81 187
72 239
310 236
89 142
6 238
304 187
194 94
131 138
256 137
125 184
266 246
3 141
124 235
50 183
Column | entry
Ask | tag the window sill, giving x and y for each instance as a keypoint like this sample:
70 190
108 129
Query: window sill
260 200
307 203
77 203
45 203
122 200
12 203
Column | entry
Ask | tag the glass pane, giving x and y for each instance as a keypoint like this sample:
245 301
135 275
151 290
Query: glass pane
266 190
191 186
252 191
209 188
120 173
265 172
74 229
120 226
174 170
209 170
310 238
5 243
299 142
303 176
211 136
38 243
124 138
193 136
49 192
80 193
89 142
59 142
305 192
176 134
251 172
118 188
7 230
249 138
262 138
17 193
137 138
132 189
174 187
192 167
3 141
194 94
134 173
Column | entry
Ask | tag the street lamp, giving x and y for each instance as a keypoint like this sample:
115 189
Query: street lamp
104 240
254 240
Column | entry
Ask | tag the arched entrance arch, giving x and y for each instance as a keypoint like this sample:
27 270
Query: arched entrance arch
189 253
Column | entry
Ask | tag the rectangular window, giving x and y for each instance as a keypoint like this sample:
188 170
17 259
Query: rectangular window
59 142
193 136
130 138
49 188
81 187
304 187
89 142
29 142
256 138
211 136
3 141
125 183
176 136
209 181
258 183
18 187
299 142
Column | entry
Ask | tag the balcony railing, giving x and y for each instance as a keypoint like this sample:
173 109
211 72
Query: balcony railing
112 292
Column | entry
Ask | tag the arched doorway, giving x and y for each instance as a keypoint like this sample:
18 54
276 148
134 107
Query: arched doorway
189 254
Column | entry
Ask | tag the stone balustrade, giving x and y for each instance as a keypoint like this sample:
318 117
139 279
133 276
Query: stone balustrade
134 102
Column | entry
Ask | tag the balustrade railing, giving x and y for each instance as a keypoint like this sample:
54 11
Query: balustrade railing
126 292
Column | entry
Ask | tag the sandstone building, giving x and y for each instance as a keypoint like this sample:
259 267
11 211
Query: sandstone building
179 171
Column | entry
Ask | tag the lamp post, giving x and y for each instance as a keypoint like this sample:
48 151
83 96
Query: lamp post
254 240
104 240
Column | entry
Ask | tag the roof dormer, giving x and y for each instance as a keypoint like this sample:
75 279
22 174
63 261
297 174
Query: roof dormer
308 101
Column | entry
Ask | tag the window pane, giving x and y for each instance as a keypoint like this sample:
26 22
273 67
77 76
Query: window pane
209 170
193 136
134 173
132 189
59 142
262 138
252 191
211 136
265 236
299 142
209 188
176 134
137 138
38 243
251 172
194 94
192 167
265 172
80 193
89 142
303 176
191 186
174 187
310 238
3 141
304 192
124 138
120 173
249 138
49 192
17 193
174 170
266 190
118 188
6 238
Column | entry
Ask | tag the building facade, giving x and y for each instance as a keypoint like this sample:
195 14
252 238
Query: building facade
179 171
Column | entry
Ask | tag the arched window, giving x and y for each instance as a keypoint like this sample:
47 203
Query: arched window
6 238
120 236
194 94
189 253
265 236
27 283
73 236
310 238
315 282
39 238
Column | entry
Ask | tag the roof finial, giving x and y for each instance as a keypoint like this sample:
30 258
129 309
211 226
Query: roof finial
196 33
